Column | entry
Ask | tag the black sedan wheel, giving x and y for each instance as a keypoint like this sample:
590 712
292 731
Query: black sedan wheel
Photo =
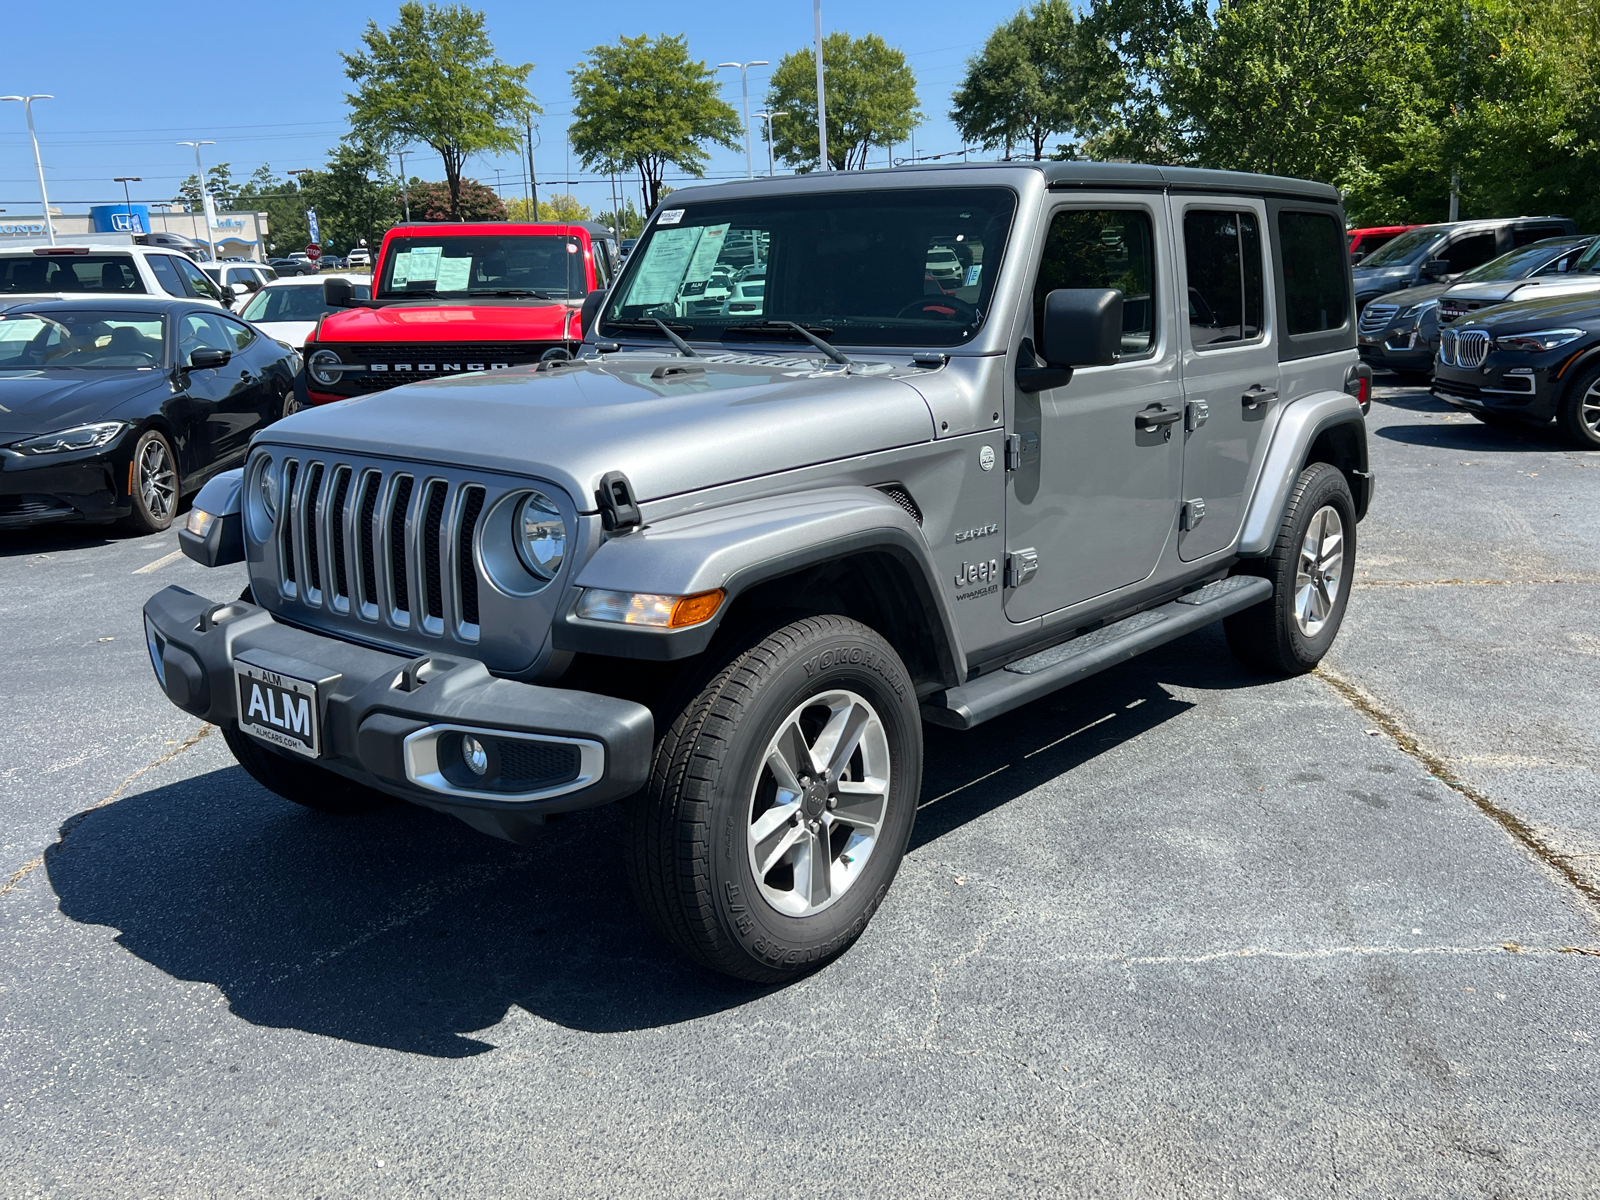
155 484
1579 414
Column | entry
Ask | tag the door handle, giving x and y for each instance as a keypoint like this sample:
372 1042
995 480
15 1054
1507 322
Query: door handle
1156 416
1257 396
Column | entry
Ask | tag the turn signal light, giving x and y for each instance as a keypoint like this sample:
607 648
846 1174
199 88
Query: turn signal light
645 608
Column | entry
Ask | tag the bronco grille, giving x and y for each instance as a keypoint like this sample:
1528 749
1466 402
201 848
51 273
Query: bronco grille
1449 310
1463 348
412 544
1376 317
391 365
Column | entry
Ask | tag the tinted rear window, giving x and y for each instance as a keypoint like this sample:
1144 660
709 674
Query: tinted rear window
98 273
1314 270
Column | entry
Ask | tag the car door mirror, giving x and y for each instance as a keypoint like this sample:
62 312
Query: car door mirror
337 293
239 289
1435 268
1082 327
208 358
1356 256
590 313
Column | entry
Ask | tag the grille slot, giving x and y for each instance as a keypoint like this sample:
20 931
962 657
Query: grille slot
903 498
291 475
312 518
466 569
399 581
525 764
335 531
1472 347
1376 317
431 567
367 537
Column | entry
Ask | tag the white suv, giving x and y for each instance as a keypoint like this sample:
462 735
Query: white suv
29 273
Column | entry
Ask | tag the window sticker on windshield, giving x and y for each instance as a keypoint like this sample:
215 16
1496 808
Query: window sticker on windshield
671 217
661 272
706 253
973 272
417 266
453 274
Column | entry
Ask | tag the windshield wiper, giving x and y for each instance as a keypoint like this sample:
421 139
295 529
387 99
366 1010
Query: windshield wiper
670 332
794 327
511 292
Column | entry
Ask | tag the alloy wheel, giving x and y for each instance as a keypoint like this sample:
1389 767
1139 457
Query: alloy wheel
158 481
1319 571
819 801
1589 409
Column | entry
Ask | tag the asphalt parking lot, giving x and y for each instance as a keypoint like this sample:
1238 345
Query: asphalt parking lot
1179 931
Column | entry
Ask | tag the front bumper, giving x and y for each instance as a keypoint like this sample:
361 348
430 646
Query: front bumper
1511 389
379 712
43 489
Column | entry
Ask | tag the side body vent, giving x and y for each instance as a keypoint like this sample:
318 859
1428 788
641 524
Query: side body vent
897 492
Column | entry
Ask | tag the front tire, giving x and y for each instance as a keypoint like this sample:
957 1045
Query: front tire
302 782
1579 414
1310 567
781 802
153 484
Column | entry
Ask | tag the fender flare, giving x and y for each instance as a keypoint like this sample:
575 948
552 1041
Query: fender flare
740 545
1299 425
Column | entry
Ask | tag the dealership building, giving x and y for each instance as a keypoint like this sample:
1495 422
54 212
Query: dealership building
237 234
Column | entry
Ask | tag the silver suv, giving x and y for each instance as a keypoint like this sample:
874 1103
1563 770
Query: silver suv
727 563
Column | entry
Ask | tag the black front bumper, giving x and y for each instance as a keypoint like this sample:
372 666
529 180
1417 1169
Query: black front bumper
1510 390
39 490
376 708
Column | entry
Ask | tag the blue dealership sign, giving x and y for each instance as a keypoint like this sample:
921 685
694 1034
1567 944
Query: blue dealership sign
120 218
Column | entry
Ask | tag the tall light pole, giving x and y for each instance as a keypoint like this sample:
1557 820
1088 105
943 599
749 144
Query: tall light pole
38 163
127 199
767 117
206 206
744 87
822 102
405 190
533 176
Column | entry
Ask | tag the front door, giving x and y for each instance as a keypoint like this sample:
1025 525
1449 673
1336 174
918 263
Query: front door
1095 489
1230 367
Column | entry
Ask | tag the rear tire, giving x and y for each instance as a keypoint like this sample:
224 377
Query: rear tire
1310 567
153 483
302 782
1579 414
761 846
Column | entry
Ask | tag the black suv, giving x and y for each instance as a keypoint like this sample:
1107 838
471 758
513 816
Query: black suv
1434 253
1532 361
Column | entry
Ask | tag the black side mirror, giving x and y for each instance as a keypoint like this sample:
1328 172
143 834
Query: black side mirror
208 358
337 293
590 313
1356 256
1435 268
1082 328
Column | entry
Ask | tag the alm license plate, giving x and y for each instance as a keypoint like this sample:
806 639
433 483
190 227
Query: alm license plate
279 709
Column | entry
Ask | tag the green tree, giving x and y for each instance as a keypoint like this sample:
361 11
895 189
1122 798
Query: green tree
629 224
285 207
433 77
560 207
872 101
354 198
1041 73
472 201
219 182
642 105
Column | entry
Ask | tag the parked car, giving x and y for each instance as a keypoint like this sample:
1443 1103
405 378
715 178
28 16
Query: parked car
29 273
239 278
1575 274
358 257
1400 332
1364 241
292 266
330 262
116 407
1527 362
1443 253
727 568
452 298
289 309
196 251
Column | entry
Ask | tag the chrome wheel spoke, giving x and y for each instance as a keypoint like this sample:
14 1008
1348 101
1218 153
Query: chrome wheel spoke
814 871
862 804
779 840
839 738
1320 570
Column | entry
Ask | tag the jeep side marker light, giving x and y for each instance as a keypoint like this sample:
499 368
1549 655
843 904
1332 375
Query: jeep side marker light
642 608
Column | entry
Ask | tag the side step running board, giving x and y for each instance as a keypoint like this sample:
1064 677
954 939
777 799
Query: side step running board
1027 679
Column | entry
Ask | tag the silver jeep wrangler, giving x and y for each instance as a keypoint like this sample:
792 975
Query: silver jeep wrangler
842 454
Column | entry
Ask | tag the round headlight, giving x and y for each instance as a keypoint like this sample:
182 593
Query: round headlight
540 535
323 358
267 484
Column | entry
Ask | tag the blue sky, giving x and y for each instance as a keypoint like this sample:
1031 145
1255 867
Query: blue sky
266 83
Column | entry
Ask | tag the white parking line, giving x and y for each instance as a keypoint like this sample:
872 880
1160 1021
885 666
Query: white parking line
150 568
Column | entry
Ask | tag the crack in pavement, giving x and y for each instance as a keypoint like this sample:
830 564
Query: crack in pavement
1366 583
1523 833
37 861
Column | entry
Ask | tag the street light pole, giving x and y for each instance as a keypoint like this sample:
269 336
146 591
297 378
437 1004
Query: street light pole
207 209
405 192
744 87
822 100
127 200
767 117
533 176
38 163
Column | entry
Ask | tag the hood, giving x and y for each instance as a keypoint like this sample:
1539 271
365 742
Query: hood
1540 287
1371 275
669 430
538 321
1546 312
34 402
1406 297
293 332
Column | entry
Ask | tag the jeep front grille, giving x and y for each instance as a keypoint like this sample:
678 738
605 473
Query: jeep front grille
1463 347
412 543
1376 317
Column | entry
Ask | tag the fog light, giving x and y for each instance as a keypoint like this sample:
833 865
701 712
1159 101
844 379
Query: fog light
474 755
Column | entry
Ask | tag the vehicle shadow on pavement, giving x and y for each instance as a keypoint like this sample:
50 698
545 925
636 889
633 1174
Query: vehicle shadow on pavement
407 930
1474 437
51 539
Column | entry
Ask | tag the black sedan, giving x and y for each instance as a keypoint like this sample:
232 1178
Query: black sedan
1533 361
116 409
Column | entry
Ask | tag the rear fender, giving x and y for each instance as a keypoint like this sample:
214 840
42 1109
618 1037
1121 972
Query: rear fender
1322 426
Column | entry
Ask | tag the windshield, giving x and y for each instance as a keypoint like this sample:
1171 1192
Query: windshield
294 302
72 338
891 268
545 264
1517 264
1590 261
70 273
1404 250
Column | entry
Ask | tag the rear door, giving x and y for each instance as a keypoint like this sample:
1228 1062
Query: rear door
1230 365
1095 493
